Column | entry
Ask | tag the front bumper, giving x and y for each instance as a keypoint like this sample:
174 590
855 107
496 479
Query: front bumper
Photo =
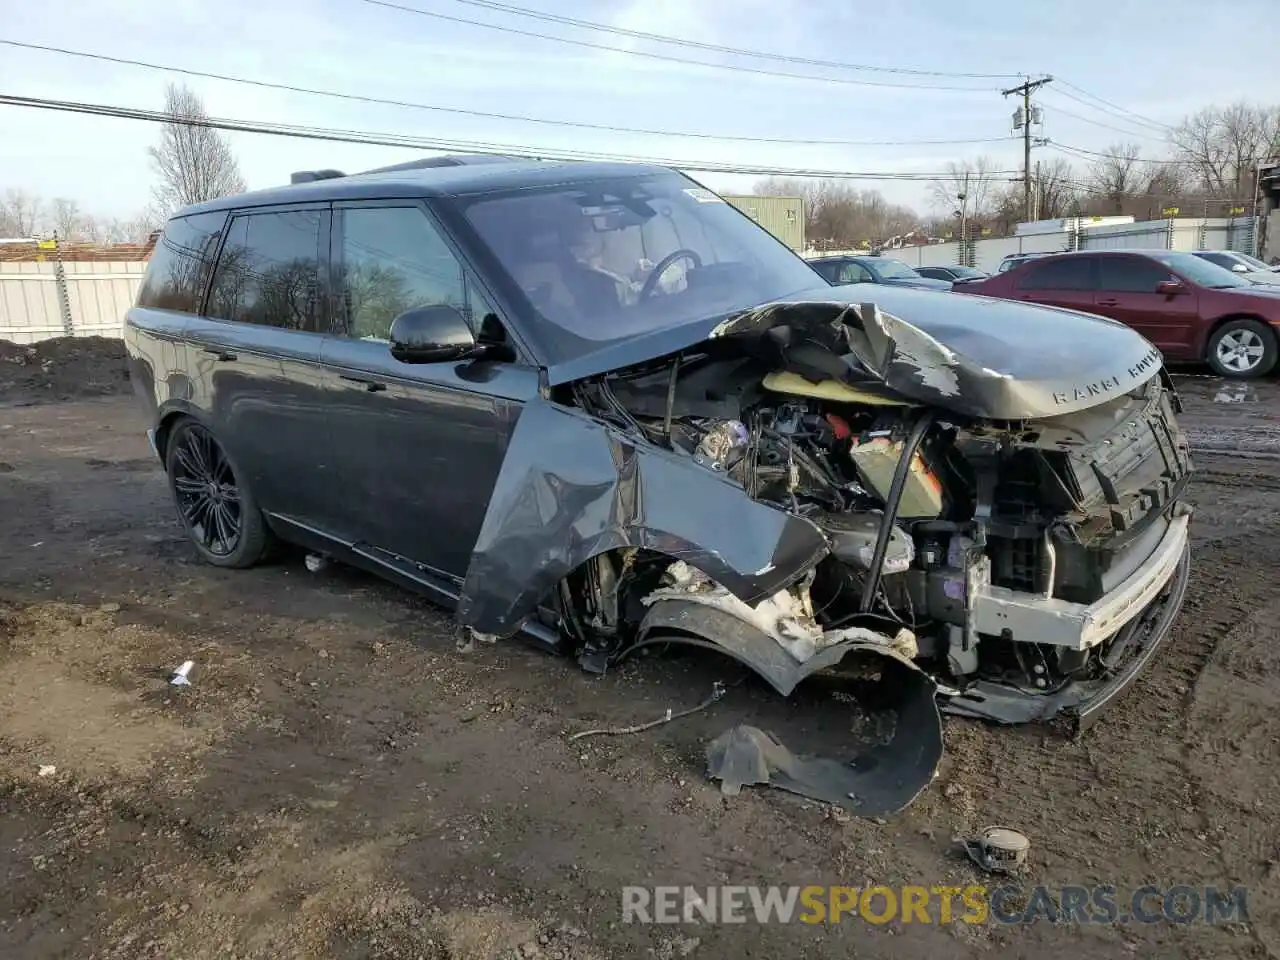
1086 699
1029 618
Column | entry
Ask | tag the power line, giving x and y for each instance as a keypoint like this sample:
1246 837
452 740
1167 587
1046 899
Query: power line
450 145
545 121
1112 113
669 58
1107 103
1098 123
720 48
1085 153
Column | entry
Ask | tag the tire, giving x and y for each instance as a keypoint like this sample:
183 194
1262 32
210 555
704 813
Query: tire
1242 349
214 506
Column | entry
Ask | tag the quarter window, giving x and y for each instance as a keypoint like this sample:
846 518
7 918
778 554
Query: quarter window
269 271
181 263
394 260
1069 273
1131 274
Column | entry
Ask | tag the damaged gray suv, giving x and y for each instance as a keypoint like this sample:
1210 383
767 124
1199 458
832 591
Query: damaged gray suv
596 405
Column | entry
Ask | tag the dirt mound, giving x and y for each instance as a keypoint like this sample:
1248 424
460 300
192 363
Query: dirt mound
61 369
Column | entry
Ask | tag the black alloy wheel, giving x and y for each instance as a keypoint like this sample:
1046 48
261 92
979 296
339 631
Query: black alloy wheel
215 508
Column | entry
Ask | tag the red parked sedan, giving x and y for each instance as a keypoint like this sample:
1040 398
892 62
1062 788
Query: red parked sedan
1191 309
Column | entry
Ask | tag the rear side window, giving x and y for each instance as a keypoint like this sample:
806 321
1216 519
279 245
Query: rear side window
853 273
1069 273
181 263
1130 274
269 271
1221 259
828 271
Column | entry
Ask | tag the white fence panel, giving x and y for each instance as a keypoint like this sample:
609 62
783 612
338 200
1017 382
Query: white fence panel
1148 235
1057 242
29 307
930 255
97 295
1240 234
1216 235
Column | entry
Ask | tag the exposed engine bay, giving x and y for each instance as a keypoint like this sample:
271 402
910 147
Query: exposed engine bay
1020 563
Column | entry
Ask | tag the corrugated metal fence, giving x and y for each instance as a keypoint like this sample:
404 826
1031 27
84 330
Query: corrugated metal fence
56 299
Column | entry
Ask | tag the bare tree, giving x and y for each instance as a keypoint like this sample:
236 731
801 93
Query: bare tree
1054 191
194 162
840 216
1117 176
21 213
976 179
1223 145
67 220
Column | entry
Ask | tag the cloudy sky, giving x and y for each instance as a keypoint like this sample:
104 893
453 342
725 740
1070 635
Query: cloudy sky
1157 58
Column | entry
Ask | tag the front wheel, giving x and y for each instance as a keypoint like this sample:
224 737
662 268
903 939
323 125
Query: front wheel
1242 349
214 506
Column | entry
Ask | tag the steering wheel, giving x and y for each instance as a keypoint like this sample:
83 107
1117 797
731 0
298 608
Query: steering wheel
651 282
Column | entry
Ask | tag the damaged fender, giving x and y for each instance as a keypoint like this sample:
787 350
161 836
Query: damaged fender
876 781
571 488
753 647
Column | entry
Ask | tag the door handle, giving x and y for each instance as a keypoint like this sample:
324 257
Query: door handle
1108 303
373 386
219 354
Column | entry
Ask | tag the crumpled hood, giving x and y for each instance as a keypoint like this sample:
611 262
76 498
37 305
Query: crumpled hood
973 355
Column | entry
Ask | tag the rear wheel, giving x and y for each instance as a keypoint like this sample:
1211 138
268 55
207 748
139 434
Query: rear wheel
214 506
1242 349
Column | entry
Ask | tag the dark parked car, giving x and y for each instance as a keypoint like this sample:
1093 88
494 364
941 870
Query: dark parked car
952 274
1189 308
840 270
597 405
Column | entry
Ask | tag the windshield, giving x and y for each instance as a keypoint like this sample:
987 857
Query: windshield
967 273
1201 271
889 269
605 260
1253 262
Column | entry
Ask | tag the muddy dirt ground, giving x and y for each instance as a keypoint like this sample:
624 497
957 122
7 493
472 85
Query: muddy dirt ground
339 781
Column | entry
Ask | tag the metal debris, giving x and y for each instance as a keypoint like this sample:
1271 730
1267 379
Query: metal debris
998 849
717 691
179 677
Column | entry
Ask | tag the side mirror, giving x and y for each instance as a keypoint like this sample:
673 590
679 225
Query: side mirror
1168 288
432 335
1239 268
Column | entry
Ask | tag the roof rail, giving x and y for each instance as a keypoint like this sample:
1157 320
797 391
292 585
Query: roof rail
310 176
453 160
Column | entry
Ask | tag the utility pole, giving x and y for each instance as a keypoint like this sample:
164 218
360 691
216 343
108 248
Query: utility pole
1035 197
1025 89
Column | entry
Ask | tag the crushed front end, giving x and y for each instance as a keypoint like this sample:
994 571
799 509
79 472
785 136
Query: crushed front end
819 488
1063 559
